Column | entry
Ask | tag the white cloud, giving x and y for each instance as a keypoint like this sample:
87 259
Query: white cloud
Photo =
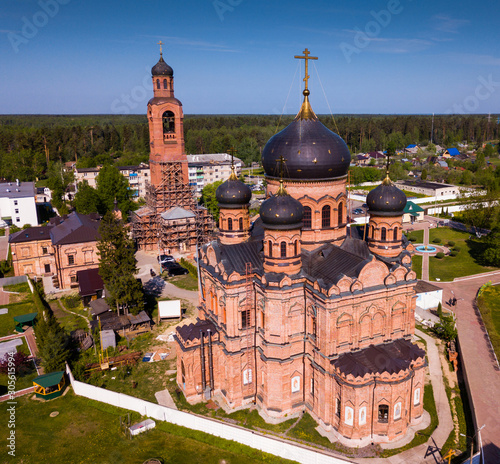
445 23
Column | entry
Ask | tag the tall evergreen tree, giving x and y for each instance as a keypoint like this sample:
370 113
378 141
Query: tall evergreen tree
117 266
52 341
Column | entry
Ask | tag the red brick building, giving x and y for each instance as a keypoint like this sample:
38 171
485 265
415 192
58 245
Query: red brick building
171 220
59 250
297 314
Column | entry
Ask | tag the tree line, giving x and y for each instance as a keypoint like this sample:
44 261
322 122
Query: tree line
30 144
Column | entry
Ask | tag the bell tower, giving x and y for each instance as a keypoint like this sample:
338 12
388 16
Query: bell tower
165 118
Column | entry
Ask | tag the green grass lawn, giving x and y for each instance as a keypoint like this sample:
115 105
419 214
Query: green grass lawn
87 431
7 323
418 234
489 305
463 264
187 282
68 321
416 265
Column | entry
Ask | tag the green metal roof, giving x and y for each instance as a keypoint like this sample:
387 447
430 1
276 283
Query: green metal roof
25 318
412 208
49 380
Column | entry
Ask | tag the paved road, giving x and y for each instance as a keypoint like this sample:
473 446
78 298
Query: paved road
482 369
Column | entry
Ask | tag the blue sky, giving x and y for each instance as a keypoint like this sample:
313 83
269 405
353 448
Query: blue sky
236 56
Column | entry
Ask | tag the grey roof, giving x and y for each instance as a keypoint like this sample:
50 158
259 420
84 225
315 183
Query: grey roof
98 307
330 262
235 257
140 318
377 359
211 159
12 190
30 234
107 339
177 213
429 185
192 331
75 228
424 287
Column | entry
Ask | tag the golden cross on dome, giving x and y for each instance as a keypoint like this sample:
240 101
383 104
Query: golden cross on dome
232 151
281 190
160 43
306 58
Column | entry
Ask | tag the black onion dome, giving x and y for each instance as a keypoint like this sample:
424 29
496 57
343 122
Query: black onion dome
161 68
311 151
386 200
281 211
233 193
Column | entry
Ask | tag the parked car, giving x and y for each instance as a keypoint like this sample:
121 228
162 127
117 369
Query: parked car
162 259
174 269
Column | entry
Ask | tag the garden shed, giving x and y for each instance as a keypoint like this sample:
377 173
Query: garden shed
49 386
24 321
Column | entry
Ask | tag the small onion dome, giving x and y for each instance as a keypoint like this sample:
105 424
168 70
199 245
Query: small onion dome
233 193
161 68
386 200
281 211
311 150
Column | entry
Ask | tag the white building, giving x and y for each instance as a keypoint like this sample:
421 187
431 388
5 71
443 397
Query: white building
17 203
137 177
428 295
207 169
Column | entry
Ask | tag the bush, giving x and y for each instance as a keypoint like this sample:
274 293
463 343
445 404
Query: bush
190 267
13 228
436 240
453 253
457 249
451 243
440 255
2 232
412 238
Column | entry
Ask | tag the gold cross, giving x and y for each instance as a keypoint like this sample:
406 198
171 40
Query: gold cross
160 43
282 161
232 152
306 58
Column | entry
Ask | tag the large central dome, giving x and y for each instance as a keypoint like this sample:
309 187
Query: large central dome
310 150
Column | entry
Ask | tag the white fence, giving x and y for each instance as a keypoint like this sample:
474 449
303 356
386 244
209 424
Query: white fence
255 440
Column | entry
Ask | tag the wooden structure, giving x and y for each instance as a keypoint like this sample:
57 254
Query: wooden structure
24 321
49 386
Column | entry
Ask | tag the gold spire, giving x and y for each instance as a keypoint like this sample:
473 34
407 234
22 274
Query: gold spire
233 175
387 180
306 111
160 43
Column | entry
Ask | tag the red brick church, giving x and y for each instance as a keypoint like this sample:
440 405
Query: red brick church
296 313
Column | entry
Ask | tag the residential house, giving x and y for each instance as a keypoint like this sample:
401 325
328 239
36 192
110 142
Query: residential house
451 152
413 149
413 213
59 250
362 160
43 195
210 168
17 203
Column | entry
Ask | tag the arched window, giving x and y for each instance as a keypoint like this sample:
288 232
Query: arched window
296 247
230 224
241 223
183 374
395 234
383 413
158 84
325 216
383 235
307 217
168 121
373 231
314 326
270 245
165 86
283 249
341 213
